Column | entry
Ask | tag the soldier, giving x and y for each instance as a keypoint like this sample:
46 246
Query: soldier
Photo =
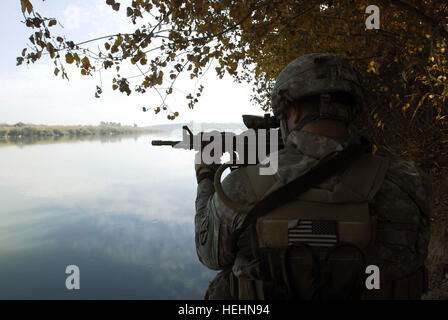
316 244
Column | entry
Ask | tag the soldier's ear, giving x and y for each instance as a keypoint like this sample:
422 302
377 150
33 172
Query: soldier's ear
294 116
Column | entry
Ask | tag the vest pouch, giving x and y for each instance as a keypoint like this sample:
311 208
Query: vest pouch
313 250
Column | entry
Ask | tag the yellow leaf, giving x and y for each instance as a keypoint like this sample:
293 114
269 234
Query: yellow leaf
26 5
50 49
85 62
69 58
118 41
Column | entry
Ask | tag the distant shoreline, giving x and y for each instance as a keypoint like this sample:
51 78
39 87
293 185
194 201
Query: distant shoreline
32 130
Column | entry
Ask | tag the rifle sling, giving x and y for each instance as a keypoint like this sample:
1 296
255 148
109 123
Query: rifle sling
315 176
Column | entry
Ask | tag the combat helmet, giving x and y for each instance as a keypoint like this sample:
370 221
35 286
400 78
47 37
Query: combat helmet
319 74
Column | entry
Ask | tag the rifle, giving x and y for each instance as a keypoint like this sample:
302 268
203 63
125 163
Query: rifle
240 145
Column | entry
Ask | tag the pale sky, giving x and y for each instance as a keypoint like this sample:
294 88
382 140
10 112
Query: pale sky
34 95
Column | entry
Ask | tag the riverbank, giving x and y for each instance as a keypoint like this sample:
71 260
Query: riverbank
31 130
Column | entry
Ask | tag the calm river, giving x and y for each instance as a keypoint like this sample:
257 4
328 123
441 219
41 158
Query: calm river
119 209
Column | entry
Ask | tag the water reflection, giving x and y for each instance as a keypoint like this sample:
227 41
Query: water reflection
123 212
30 140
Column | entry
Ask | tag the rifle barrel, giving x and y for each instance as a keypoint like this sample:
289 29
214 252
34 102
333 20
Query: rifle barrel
164 143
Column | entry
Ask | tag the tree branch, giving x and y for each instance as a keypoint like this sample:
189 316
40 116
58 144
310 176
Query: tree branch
421 15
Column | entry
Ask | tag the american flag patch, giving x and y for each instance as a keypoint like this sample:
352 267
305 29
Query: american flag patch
317 233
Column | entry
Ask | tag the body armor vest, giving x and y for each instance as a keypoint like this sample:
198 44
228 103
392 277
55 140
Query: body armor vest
318 245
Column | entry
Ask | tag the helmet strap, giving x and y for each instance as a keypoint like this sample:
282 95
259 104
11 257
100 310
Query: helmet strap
284 129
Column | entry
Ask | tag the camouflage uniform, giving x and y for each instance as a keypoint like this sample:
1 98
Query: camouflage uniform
401 206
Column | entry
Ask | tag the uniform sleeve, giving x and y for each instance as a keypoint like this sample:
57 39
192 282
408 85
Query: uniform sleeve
402 209
215 223
414 182
205 225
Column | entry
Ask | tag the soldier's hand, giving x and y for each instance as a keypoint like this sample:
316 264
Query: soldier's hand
203 170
